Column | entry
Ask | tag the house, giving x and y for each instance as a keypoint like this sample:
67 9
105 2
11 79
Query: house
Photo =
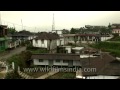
81 38
88 38
12 43
115 28
56 59
46 40
23 36
3 37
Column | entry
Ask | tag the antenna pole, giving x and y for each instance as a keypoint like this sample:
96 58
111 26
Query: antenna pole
53 24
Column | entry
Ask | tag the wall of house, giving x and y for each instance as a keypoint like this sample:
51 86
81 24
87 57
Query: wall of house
58 42
76 63
62 41
116 31
38 43
61 63
80 40
36 62
68 49
30 37
13 44
105 38
53 44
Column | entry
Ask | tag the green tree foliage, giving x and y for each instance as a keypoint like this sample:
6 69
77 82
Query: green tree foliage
65 31
11 30
91 29
73 31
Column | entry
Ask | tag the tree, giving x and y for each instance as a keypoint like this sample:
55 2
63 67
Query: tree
73 31
11 30
65 31
75 39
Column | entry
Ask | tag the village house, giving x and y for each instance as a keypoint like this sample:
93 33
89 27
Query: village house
81 38
115 28
23 36
50 41
68 60
12 43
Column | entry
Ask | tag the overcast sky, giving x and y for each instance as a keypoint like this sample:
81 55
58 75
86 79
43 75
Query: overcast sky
42 20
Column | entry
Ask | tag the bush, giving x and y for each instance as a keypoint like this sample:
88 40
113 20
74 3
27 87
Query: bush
29 47
20 59
22 43
111 47
68 76
12 75
61 50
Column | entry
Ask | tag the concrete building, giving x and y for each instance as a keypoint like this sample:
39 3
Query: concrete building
50 41
68 60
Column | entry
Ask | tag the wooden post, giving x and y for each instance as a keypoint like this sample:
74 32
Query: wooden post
6 68
13 65
18 68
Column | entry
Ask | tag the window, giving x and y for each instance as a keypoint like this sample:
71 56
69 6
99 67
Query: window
40 60
64 61
42 41
57 60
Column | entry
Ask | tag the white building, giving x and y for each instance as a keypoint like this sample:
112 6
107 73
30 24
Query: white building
69 60
50 41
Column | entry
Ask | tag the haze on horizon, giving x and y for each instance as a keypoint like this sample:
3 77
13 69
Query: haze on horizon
42 20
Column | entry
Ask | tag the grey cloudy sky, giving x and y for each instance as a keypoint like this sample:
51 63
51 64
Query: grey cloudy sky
42 20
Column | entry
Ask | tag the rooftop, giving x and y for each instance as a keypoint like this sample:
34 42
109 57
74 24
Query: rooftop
99 63
47 36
